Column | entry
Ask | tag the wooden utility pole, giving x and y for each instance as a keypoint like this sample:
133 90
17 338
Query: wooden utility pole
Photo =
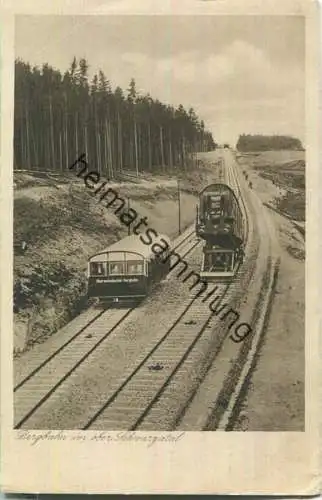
128 209
76 134
136 149
179 206
161 147
149 145
66 133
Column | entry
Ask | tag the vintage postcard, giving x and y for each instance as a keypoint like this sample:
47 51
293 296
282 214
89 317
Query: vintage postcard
159 247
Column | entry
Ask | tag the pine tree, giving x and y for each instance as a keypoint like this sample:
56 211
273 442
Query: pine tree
59 116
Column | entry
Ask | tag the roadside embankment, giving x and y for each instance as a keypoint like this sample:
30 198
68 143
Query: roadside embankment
275 399
280 175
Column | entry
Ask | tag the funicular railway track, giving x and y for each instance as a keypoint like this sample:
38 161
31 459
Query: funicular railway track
133 404
37 380
158 389
140 399
266 271
216 404
143 400
135 399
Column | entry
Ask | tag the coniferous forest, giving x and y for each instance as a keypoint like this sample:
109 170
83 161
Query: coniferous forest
247 142
60 116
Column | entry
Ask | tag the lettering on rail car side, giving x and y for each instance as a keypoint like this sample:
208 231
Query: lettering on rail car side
125 280
128 216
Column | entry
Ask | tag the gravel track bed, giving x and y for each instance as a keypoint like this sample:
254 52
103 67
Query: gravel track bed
83 392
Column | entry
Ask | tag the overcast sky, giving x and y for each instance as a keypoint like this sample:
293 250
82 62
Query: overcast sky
242 74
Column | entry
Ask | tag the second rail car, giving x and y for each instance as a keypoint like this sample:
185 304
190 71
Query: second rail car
220 224
219 217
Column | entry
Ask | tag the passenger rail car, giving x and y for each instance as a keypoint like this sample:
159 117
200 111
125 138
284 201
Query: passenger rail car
219 217
127 270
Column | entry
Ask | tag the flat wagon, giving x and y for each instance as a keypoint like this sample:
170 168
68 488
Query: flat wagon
127 270
220 264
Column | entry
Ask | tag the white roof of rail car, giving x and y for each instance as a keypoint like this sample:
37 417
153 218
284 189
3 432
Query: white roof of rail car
130 243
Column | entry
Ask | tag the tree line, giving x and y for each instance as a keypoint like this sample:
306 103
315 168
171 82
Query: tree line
60 116
247 142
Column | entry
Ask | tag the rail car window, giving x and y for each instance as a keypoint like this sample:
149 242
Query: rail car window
215 208
134 268
116 267
215 219
98 268
220 262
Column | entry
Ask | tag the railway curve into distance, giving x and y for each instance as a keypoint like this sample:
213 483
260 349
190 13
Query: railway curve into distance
170 364
216 404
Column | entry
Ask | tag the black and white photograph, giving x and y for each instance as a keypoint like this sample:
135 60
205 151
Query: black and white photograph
160 247
159 223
